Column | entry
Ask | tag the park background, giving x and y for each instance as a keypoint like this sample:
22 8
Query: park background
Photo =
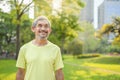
87 52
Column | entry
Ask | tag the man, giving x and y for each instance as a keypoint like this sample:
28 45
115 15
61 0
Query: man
40 59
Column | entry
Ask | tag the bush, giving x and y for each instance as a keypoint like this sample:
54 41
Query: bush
88 55
114 49
75 47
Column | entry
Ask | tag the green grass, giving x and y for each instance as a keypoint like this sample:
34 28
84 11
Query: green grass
99 68
7 69
84 73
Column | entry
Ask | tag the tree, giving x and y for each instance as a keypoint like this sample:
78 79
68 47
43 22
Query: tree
113 28
26 33
65 28
107 30
20 9
75 47
90 43
65 23
6 30
43 7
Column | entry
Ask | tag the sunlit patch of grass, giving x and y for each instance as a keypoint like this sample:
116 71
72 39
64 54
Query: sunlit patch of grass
73 78
7 77
80 72
96 72
77 70
113 67
93 73
86 73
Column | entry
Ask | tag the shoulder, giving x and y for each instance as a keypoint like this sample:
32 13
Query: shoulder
25 46
54 45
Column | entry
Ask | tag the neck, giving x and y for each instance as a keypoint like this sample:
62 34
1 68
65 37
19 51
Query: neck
41 42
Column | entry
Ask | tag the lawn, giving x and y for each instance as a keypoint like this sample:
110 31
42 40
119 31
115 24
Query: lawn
99 68
7 69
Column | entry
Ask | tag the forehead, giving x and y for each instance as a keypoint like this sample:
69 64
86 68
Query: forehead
44 22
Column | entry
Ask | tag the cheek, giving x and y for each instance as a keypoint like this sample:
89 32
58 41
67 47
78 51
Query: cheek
49 30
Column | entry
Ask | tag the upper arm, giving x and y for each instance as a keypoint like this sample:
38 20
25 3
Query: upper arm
21 61
58 60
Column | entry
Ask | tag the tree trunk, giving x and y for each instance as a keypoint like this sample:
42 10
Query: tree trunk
19 12
17 40
0 49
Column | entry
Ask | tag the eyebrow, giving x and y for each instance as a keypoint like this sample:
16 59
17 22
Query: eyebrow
39 24
46 23
42 24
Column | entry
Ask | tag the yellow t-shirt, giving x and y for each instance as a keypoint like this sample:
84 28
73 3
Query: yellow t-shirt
40 62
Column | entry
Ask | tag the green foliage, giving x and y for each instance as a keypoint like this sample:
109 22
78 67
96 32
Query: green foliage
25 28
72 6
88 56
114 28
20 9
114 49
116 41
43 7
65 26
7 31
26 34
106 28
90 43
102 46
75 47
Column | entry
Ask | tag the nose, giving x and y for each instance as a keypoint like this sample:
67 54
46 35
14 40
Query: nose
42 28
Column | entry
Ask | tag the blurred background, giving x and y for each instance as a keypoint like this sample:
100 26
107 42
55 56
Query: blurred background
87 31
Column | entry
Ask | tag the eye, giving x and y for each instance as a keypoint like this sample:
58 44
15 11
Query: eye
40 25
46 26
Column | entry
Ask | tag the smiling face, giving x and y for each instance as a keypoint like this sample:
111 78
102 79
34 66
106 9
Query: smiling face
42 29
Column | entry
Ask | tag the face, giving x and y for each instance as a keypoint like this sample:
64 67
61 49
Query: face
42 29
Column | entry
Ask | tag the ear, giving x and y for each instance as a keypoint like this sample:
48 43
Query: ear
33 29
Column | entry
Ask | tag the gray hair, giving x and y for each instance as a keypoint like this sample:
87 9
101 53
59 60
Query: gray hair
40 18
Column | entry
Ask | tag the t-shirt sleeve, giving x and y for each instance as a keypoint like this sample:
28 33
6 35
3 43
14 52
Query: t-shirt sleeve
58 61
21 62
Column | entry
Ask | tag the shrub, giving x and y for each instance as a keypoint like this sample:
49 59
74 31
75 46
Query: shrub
114 49
88 55
75 47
